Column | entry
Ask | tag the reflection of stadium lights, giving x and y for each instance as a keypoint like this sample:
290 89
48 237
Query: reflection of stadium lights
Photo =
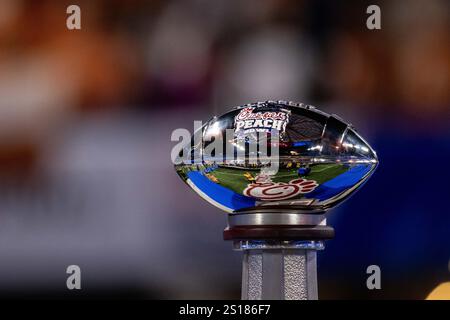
318 147
347 145
213 130
238 145
357 147
362 161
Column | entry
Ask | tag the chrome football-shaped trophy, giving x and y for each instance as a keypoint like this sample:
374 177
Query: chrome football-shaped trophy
277 167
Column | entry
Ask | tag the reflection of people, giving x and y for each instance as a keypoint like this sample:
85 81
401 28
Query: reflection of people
304 171
249 177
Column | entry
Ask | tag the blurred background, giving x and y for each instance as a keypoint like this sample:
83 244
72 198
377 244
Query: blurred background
86 117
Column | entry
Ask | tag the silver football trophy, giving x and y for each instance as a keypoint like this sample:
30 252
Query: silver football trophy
277 168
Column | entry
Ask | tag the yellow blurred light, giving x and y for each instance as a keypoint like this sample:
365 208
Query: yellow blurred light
441 292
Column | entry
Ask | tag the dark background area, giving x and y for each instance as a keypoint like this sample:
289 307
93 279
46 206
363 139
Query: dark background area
86 118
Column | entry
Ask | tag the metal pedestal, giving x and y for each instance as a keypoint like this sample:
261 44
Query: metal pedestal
279 254
279 271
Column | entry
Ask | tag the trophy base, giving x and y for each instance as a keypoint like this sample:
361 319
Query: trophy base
277 226
279 271
278 233
279 253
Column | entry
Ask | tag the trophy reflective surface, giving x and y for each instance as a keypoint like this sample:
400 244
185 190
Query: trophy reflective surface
277 167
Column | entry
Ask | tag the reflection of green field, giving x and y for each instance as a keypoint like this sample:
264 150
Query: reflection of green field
234 178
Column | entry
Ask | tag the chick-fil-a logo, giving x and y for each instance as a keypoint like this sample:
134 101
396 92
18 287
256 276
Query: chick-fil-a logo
266 190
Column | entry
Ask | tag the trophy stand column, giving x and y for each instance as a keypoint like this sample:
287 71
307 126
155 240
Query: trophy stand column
279 254
279 270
